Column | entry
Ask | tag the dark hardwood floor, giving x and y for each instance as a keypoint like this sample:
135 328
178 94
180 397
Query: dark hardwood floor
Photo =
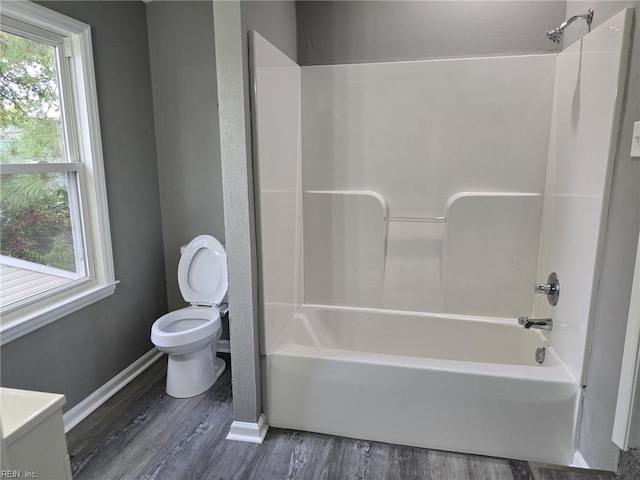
142 433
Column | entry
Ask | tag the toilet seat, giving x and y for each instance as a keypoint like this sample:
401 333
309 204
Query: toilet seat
202 271
185 326
202 277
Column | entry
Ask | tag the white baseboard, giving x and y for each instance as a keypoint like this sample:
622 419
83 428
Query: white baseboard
579 461
223 346
249 432
109 389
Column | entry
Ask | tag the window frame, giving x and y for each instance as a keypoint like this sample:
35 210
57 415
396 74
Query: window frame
83 139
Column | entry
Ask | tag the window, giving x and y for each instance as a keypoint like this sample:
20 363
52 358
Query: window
55 247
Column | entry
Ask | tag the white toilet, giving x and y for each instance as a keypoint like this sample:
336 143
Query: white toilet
190 335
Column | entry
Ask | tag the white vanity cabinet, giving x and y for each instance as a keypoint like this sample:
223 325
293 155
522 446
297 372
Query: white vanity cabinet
33 440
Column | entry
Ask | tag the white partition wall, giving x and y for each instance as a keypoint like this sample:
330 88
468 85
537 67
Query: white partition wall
589 88
418 134
278 182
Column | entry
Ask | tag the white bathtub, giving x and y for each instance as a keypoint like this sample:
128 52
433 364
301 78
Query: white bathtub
435 381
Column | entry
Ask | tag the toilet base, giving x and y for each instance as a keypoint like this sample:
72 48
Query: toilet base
191 374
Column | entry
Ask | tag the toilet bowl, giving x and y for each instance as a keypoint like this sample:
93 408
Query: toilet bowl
190 335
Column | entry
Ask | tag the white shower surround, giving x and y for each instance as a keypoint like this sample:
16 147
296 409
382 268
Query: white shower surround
590 85
278 176
361 383
418 134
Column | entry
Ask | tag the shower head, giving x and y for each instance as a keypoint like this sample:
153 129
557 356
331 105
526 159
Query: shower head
556 34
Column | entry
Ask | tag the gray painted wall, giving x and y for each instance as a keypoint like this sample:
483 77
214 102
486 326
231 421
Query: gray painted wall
276 22
617 270
183 68
183 73
375 31
235 145
79 353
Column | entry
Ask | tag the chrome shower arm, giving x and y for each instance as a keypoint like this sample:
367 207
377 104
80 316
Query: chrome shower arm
587 16
556 34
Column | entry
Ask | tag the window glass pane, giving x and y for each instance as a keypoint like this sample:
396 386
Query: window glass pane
31 129
40 245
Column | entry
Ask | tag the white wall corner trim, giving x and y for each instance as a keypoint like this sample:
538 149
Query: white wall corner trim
579 461
627 403
249 432
82 410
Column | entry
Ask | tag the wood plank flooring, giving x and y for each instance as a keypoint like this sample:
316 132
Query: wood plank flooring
629 466
142 433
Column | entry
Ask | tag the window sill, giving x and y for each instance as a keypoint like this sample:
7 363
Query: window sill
25 321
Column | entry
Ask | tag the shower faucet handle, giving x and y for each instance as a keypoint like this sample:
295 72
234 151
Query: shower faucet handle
545 288
551 289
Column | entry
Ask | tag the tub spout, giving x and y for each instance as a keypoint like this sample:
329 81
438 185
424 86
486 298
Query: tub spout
538 323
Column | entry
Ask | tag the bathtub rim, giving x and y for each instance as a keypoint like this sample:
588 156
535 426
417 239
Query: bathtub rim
555 371
410 313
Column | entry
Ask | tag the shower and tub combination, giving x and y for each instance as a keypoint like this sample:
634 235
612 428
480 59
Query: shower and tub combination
406 212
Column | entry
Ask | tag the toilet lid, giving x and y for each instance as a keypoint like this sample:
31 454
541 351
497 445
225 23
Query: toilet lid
202 271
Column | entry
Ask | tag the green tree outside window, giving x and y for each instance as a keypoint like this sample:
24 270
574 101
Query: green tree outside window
35 223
